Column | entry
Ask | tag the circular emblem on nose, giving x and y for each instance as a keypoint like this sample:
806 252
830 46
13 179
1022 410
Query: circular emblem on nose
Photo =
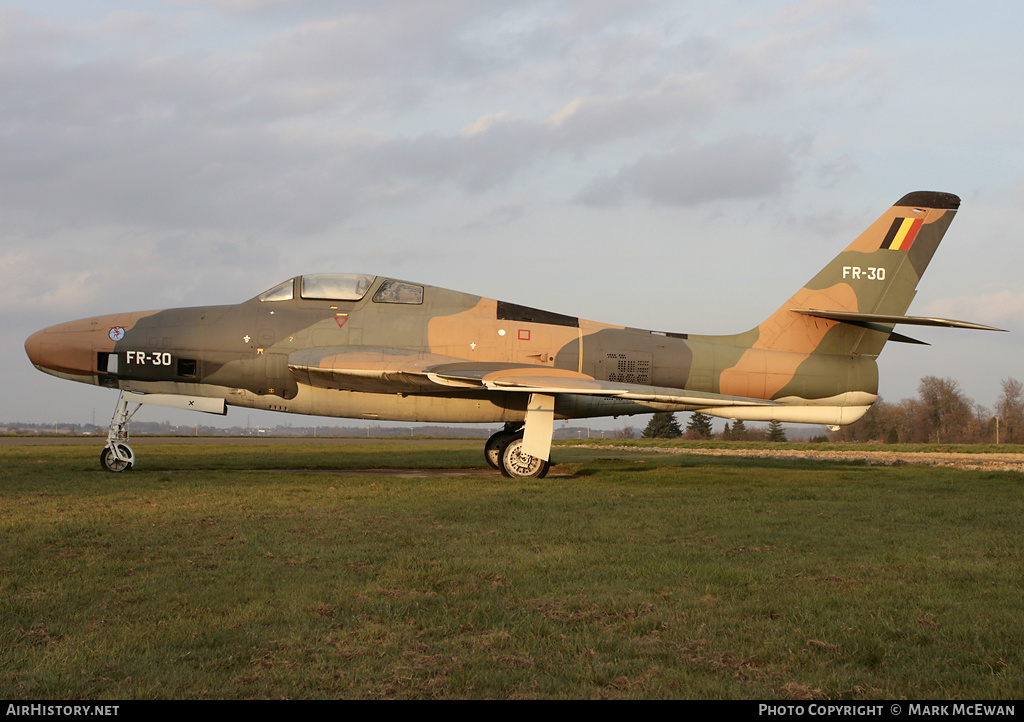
116 333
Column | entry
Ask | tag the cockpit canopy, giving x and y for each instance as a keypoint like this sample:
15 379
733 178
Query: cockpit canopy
336 286
344 287
322 286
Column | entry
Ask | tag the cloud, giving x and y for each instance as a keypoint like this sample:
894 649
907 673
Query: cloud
999 307
265 117
503 215
99 269
746 166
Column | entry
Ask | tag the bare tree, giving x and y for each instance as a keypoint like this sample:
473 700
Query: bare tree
626 432
1010 410
945 412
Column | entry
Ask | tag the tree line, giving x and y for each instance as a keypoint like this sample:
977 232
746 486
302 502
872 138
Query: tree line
663 425
941 413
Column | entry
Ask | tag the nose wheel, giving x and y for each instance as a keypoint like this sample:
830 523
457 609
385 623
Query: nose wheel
117 455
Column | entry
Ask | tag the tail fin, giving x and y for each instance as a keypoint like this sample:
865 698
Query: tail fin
850 307
821 344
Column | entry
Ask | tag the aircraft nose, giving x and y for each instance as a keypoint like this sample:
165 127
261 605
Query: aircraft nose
65 350
34 348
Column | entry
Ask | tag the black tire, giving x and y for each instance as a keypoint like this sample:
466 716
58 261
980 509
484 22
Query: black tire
517 465
494 445
111 463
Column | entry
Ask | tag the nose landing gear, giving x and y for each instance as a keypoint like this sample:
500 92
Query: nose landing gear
117 455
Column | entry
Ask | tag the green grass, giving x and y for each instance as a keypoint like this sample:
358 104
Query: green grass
642 443
224 571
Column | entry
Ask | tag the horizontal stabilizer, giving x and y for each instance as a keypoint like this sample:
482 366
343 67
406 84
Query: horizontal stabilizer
864 318
899 337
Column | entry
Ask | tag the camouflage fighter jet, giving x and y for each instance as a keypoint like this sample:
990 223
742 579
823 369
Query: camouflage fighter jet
363 346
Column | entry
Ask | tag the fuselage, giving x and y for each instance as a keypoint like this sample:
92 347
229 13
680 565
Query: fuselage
247 355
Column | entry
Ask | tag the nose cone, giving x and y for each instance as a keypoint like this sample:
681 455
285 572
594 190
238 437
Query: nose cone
68 350
34 348
64 351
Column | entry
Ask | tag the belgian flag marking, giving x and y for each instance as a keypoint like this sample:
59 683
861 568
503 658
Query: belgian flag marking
902 233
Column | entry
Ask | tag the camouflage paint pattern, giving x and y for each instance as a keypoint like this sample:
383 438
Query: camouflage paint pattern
413 352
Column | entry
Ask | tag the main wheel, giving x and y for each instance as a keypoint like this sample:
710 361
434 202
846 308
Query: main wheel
517 465
110 461
492 449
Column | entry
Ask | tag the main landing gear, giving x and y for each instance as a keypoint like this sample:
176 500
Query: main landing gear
117 455
504 452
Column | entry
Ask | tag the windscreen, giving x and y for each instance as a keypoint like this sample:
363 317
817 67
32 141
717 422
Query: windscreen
336 286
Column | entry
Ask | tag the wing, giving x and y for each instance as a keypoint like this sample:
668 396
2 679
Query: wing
366 368
396 370
520 378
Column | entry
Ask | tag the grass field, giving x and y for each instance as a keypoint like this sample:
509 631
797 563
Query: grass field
269 571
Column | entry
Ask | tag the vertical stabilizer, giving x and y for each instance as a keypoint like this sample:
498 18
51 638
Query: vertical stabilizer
823 341
876 274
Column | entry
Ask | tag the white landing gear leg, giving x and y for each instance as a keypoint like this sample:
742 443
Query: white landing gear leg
118 456
526 455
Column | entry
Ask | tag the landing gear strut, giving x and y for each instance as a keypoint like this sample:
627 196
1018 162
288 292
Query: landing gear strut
118 456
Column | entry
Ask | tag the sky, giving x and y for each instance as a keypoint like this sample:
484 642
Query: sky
682 166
